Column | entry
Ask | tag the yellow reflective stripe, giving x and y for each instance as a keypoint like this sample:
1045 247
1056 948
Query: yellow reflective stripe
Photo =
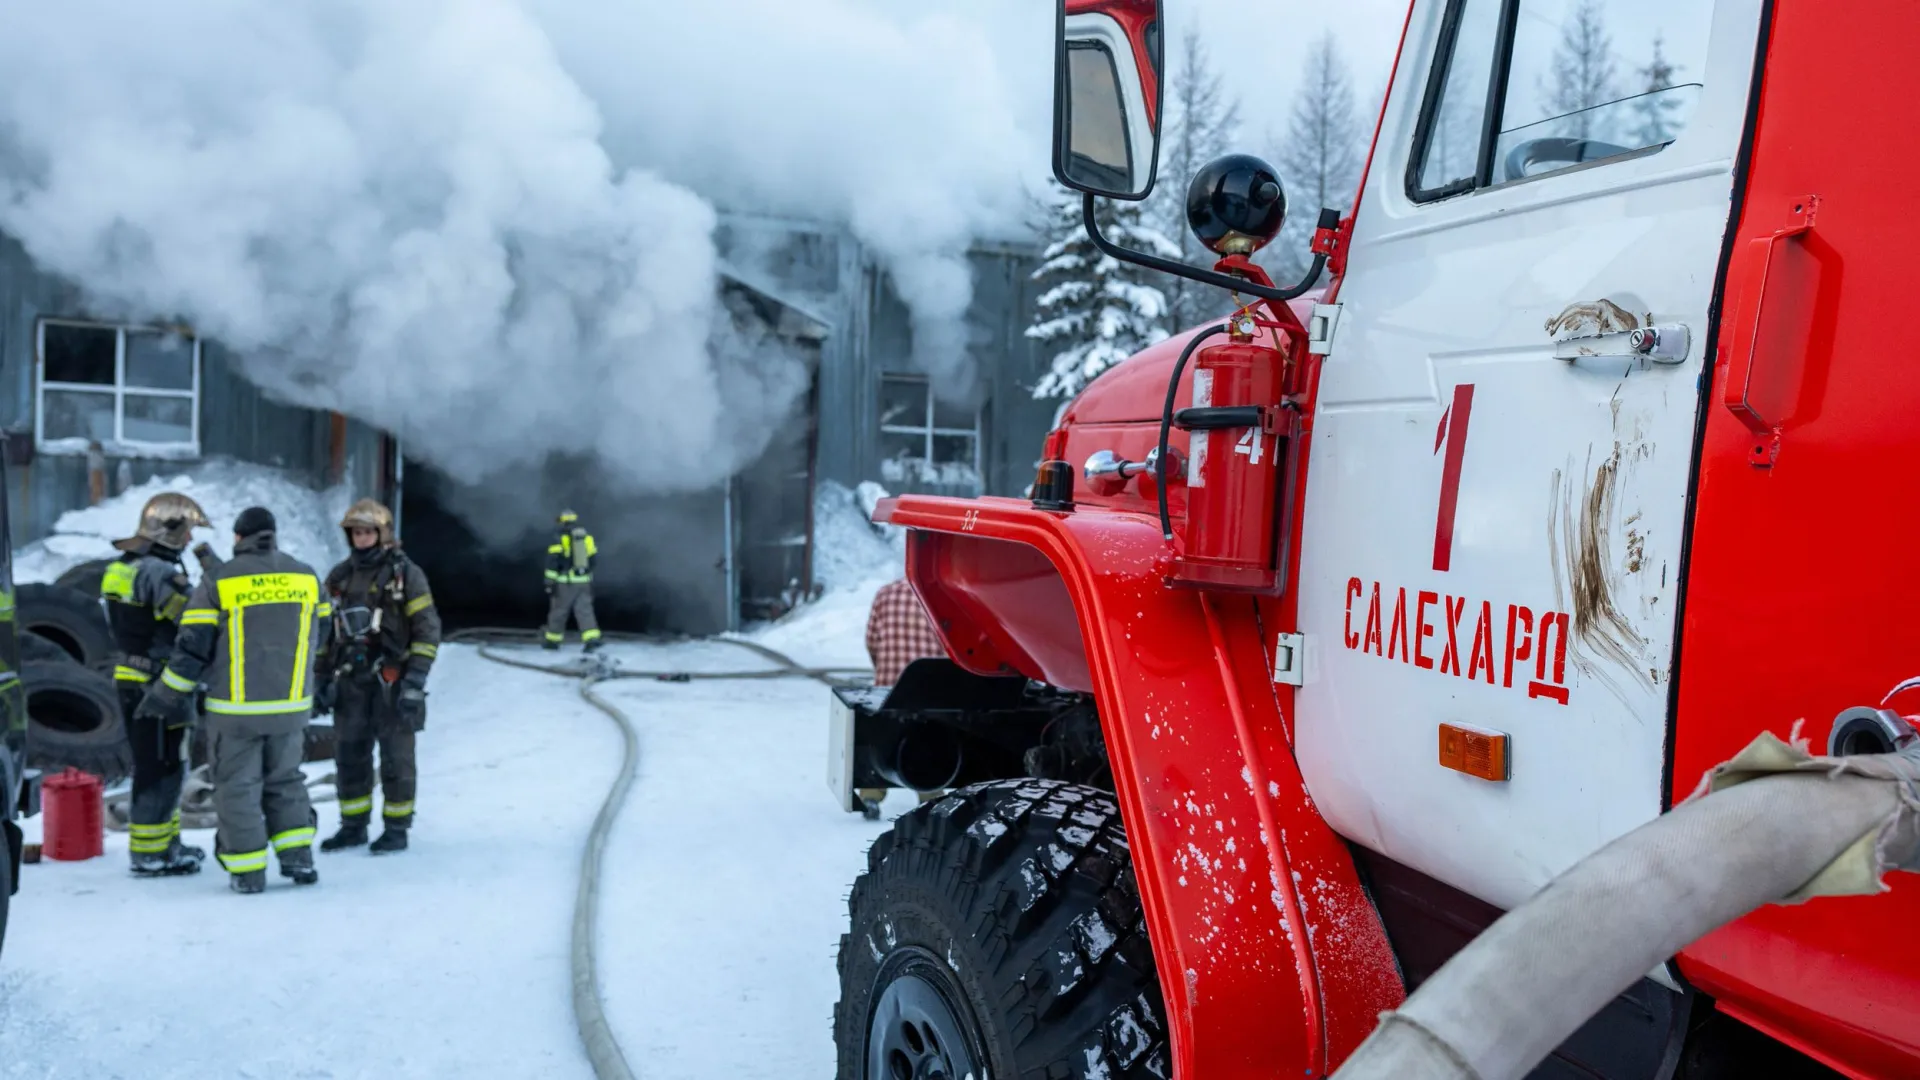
304 646
352 807
397 809
421 648
300 837
150 846
325 610
200 616
553 575
117 582
592 548
171 610
177 682
258 708
126 674
237 655
555 549
244 861
164 828
590 635
551 636
419 604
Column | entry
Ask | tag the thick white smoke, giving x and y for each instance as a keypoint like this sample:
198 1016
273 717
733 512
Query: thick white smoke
487 224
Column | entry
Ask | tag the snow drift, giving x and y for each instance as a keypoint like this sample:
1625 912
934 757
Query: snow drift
309 521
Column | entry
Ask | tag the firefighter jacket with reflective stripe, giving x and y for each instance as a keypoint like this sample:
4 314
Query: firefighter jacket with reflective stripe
253 632
571 556
144 595
383 615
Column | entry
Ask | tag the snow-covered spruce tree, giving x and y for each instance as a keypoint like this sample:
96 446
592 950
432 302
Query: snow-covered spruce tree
1655 116
1320 158
1584 75
1202 122
1094 310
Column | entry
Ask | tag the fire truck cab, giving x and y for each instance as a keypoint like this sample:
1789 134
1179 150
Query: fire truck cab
1390 604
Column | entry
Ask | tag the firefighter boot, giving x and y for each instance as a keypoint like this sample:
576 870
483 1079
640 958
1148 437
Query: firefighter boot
392 839
351 834
297 864
550 645
252 881
592 646
176 859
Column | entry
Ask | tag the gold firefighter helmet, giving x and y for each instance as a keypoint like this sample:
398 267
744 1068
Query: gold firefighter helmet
368 514
168 519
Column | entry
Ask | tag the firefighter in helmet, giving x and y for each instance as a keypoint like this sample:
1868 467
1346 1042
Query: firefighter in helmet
145 592
570 560
386 635
248 632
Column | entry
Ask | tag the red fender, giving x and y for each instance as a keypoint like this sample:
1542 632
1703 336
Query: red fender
1272 959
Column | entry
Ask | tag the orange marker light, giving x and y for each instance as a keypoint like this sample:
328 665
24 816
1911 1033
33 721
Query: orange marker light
1474 751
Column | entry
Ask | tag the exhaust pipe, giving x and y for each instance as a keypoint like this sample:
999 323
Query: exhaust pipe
927 758
1775 825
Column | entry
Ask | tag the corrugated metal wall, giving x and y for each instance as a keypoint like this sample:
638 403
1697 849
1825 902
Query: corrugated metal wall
872 335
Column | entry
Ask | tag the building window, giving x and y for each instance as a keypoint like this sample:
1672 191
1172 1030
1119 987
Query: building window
135 390
924 440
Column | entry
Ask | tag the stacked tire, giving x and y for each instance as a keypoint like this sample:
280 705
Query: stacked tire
66 666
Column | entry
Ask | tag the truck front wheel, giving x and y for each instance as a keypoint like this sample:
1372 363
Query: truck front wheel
997 932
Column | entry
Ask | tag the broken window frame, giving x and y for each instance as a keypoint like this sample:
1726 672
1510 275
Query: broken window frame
118 391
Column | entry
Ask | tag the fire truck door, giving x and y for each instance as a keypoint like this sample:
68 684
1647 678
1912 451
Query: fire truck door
1500 463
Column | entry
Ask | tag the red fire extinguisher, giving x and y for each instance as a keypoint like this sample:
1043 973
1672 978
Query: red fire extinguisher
1241 434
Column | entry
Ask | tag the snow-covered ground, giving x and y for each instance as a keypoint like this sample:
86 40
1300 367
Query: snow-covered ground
722 905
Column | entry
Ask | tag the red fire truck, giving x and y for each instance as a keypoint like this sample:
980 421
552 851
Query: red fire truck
1335 630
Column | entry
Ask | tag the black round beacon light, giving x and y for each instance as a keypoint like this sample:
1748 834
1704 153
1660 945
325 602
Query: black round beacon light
1235 204
1053 487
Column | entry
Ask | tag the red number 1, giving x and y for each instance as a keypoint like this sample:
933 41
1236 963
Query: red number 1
1453 435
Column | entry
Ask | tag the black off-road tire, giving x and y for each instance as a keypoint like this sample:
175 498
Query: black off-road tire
1015 901
74 720
67 618
85 578
35 649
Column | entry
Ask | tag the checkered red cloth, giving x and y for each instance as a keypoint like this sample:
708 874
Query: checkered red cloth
899 632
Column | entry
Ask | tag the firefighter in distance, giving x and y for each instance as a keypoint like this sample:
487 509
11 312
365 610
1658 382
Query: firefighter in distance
145 594
251 631
386 636
570 561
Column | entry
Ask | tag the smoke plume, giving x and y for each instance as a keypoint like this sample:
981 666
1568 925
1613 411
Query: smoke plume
487 225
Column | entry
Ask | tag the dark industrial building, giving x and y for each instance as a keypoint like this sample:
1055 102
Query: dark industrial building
155 399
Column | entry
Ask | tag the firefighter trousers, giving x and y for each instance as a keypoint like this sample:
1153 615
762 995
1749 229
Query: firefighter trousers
158 775
364 718
573 598
259 793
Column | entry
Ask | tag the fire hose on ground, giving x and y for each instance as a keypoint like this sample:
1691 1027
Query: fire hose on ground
596 1036
1774 825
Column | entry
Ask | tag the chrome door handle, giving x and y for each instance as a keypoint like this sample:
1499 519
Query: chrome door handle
1667 343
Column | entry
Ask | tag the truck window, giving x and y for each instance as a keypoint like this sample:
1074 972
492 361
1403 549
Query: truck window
1569 81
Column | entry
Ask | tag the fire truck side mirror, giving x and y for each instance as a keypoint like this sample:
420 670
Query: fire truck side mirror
1106 96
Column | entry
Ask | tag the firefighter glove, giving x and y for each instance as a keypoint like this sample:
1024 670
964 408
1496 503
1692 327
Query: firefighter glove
412 706
162 702
324 693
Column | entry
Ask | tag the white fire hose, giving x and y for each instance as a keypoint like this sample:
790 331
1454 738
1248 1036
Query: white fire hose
1774 824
